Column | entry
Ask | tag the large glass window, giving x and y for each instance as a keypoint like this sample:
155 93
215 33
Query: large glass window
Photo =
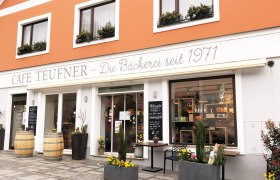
97 17
211 100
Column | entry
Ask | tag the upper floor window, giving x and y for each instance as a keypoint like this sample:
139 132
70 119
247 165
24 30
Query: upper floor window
172 14
97 21
33 36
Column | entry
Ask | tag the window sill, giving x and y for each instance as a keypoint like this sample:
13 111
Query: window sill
31 54
99 41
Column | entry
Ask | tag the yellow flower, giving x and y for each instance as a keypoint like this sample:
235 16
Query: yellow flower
184 151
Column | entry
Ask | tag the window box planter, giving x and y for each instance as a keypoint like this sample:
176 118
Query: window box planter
2 135
39 46
24 49
107 31
120 173
79 146
84 37
169 19
200 12
198 171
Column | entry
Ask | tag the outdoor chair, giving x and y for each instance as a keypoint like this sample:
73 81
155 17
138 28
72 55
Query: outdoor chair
173 154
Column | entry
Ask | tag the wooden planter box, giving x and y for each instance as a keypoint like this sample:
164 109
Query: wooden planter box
120 173
198 171
79 146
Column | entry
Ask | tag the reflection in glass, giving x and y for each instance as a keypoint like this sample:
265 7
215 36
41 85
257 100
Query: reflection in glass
68 118
51 112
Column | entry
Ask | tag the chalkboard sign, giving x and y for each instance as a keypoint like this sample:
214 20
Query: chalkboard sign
32 118
155 119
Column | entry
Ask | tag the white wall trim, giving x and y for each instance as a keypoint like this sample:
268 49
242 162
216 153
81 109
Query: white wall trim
21 6
156 5
146 118
239 112
165 109
77 9
19 35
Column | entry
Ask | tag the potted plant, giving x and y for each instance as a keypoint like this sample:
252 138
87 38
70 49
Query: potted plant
200 12
26 48
101 145
107 31
2 131
271 142
119 168
138 150
84 36
169 18
79 139
155 139
199 166
39 46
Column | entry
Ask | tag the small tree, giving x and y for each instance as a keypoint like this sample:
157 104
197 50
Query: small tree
271 142
200 142
122 144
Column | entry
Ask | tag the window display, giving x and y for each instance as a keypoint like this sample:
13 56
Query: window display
211 100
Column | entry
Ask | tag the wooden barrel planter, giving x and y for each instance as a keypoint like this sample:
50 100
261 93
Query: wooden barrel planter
53 146
24 143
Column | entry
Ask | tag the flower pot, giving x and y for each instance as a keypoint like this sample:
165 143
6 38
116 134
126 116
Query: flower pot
101 151
198 171
2 135
138 151
120 173
79 146
155 140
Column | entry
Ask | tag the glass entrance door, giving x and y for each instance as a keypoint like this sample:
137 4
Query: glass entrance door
126 109
60 114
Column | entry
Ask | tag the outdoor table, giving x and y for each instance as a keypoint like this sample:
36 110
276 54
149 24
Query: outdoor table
152 145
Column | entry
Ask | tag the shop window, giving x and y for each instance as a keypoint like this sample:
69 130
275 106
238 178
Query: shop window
33 36
97 22
126 109
173 14
211 100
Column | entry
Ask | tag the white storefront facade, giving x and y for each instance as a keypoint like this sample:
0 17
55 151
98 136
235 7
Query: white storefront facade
148 75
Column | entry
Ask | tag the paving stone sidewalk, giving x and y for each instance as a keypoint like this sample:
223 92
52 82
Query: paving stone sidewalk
36 167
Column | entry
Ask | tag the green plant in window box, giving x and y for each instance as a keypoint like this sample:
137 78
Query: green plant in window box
24 49
39 46
200 12
107 31
84 36
170 18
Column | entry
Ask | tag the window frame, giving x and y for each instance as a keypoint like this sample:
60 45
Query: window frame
157 8
78 21
232 76
32 21
31 31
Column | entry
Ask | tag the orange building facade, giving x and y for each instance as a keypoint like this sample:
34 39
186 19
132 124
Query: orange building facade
155 66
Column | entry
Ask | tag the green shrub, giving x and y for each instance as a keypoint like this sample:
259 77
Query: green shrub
122 144
107 31
84 36
169 18
26 48
39 46
200 12
200 142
